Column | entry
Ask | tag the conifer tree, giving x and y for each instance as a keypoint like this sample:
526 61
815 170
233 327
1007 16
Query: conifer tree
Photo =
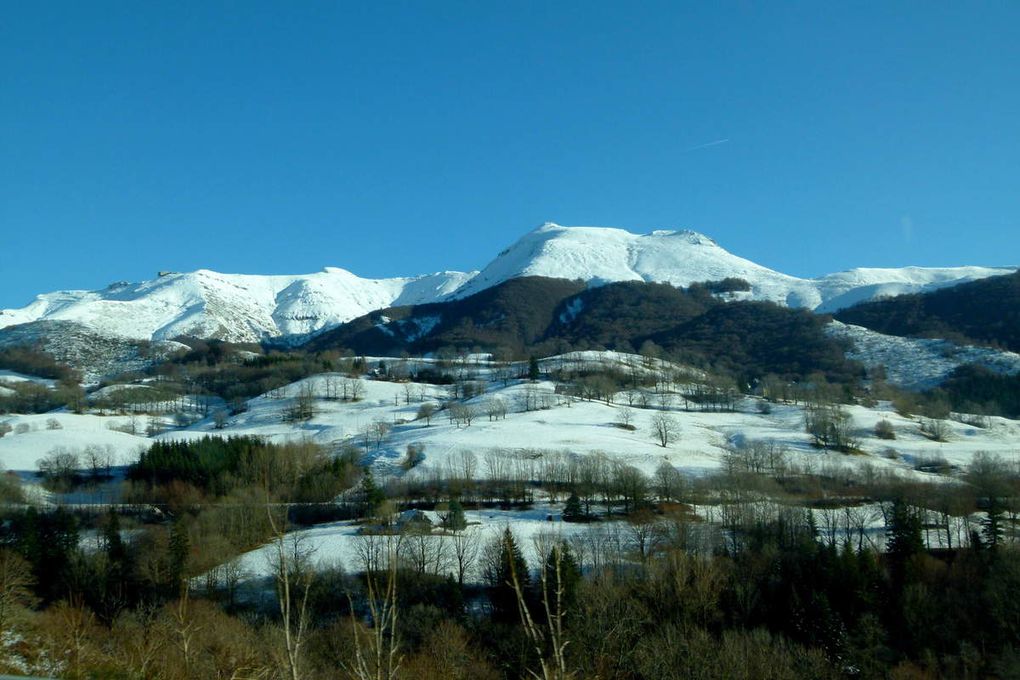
371 494
177 554
904 540
455 520
991 525
508 566
565 578
572 511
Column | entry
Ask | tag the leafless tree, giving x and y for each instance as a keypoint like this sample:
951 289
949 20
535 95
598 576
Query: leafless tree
461 413
99 460
377 653
665 429
294 575
376 432
495 408
425 412
15 586
465 553
669 483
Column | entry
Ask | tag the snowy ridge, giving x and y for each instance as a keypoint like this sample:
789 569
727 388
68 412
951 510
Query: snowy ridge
234 307
240 307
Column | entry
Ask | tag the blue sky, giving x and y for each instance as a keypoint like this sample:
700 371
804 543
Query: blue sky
393 138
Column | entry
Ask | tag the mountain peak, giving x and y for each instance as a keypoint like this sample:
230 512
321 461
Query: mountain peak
693 237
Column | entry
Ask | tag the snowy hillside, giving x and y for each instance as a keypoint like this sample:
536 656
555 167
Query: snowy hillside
919 363
555 428
250 307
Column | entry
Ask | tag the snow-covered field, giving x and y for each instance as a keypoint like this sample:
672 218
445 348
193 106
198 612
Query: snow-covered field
339 544
34 436
569 427
12 377
540 427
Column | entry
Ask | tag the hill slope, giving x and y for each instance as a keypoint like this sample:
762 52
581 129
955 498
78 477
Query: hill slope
542 316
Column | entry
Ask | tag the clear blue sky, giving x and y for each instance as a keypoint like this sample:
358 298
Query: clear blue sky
394 138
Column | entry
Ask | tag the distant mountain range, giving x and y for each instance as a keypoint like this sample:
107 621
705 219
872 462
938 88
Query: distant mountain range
248 308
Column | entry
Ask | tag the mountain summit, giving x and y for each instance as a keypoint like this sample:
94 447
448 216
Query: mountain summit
599 255
241 307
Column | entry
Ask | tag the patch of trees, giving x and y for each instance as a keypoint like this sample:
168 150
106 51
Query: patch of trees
217 467
231 373
831 427
731 284
761 589
614 316
36 362
511 316
980 312
751 339
30 397
975 389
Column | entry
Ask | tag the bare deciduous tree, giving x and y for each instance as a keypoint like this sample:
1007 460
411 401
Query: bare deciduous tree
377 654
15 586
665 429
293 575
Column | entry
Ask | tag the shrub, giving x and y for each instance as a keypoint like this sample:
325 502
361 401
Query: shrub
936 430
884 430
415 455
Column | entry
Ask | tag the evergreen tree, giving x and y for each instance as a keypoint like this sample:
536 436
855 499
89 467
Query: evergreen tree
177 554
509 567
117 587
372 496
116 551
991 525
455 520
903 541
567 580
572 511
533 370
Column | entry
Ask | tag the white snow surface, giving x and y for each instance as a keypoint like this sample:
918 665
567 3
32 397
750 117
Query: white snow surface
242 307
12 377
21 451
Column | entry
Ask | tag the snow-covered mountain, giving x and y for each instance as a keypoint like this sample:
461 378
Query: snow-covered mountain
250 307
234 307
603 255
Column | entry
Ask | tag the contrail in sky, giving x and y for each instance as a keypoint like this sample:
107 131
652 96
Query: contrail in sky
705 146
